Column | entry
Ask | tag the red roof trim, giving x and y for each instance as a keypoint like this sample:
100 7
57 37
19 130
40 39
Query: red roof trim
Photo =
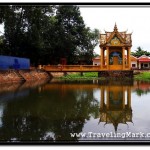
144 60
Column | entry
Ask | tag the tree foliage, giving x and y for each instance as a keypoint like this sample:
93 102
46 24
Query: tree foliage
45 34
139 52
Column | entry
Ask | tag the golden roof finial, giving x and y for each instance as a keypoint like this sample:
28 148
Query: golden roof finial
115 27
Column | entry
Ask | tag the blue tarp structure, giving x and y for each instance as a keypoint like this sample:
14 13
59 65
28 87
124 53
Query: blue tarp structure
10 62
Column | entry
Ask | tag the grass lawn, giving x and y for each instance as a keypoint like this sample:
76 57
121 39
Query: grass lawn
145 76
86 75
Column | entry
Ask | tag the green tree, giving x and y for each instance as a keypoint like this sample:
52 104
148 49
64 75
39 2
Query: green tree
38 21
1 44
24 27
74 39
45 34
91 39
139 52
70 29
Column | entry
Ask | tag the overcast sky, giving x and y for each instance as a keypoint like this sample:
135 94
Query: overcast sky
135 19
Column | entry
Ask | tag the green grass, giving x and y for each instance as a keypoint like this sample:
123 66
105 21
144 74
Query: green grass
145 76
86 75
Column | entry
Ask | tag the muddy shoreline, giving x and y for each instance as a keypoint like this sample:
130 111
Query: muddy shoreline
15 76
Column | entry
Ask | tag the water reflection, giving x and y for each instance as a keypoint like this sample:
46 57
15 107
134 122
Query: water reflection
50 111
12 91
115 106
141 88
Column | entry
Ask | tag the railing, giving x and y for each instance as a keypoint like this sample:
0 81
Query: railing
80 68
71 68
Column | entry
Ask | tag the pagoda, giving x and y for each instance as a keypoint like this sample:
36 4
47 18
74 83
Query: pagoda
115 49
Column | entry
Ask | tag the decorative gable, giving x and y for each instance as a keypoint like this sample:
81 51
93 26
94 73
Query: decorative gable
115 38
115 41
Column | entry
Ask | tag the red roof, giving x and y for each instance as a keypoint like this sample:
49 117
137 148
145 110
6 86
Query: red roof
144 59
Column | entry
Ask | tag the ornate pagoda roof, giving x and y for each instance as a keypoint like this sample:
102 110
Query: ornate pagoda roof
115 38
116 117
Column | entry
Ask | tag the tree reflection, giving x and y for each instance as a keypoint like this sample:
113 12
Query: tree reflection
142 88
48 114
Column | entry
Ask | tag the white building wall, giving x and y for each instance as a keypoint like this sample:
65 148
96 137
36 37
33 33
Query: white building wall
134 62
96 62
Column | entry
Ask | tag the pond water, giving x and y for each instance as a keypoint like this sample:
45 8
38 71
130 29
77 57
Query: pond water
68 111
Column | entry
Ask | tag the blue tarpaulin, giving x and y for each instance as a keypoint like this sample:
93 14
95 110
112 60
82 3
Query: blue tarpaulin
10 62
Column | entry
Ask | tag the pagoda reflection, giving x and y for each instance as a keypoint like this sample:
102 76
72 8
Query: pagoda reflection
115 105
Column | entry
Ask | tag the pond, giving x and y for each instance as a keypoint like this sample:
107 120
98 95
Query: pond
71 111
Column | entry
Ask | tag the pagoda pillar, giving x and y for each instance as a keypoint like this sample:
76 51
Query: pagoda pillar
123 58
129 59
107 57
102 57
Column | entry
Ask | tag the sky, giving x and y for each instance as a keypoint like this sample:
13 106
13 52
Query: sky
134 19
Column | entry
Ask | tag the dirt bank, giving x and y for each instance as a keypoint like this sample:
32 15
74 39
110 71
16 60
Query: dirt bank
60 74
9 76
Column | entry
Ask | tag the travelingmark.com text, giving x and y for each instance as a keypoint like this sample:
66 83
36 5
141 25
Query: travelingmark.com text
110 135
